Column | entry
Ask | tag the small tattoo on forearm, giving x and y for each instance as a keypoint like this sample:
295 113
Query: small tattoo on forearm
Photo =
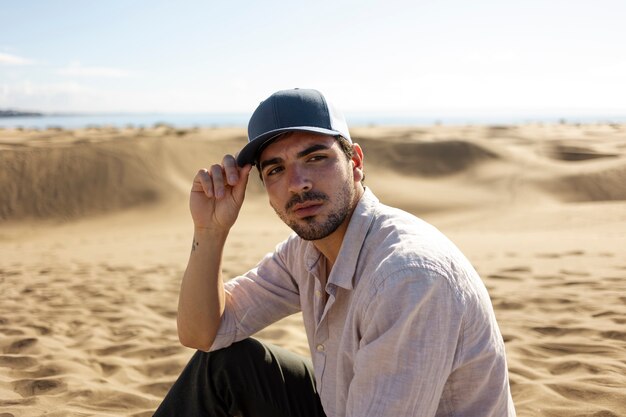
194 245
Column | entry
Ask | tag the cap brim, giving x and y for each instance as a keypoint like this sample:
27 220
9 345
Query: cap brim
249 153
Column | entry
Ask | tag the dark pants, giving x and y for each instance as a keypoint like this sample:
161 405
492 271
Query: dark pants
248 379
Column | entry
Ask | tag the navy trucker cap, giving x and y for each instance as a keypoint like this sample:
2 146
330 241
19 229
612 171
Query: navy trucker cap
288 111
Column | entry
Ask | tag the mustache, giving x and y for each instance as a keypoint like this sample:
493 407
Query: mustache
306 196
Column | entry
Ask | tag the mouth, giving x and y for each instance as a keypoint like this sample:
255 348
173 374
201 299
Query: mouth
306 209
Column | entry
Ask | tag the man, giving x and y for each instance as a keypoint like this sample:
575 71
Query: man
398 321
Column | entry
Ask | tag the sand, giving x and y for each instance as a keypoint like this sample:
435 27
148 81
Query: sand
95 234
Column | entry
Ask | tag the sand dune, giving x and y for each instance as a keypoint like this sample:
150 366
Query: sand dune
87 172
605 182
429 159
95 233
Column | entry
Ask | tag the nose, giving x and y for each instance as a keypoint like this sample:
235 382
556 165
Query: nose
298 179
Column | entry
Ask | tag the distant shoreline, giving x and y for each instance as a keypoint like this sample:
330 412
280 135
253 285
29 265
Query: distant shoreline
11 118
19 113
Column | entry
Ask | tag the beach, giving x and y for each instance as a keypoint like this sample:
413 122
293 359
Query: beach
95 234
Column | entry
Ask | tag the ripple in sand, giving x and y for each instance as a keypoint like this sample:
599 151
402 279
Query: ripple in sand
569 367
584 392
615 335
21 346
158 389
33 387
561 331
17 362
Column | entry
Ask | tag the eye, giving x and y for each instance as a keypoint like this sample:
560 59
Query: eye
273 171
317 158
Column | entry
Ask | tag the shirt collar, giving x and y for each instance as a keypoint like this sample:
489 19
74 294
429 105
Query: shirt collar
344 269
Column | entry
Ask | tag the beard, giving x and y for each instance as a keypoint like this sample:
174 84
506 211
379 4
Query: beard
313 227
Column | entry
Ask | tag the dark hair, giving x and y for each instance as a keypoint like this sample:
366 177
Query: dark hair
348 149
346 146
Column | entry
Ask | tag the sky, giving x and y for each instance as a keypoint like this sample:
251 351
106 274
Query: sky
421 56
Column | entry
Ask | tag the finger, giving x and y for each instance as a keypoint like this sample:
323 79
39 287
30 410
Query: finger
231 170
202 183
239 190
217 175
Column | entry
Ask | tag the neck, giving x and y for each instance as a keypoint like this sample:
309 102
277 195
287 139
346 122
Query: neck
331 244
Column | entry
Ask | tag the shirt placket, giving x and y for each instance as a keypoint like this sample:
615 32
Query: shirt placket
322 333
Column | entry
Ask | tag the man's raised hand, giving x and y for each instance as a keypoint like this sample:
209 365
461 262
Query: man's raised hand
217 195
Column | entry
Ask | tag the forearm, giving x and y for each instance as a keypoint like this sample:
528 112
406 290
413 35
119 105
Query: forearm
202 300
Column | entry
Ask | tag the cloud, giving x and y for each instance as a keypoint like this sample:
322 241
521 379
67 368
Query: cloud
65 96
7 59
77 70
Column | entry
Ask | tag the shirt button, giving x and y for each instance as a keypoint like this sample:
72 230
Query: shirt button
318 293
320 347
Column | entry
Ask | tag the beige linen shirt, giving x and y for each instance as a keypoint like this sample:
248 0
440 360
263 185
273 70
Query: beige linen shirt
407 329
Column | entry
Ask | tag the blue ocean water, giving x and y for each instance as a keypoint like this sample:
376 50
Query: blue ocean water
77 121
182 120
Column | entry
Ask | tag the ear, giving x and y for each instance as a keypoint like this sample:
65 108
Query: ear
357 161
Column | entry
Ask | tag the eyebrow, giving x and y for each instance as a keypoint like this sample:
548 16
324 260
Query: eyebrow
301 154
311 149
267 162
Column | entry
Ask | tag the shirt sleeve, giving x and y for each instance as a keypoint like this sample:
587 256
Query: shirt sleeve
410 330
257 299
